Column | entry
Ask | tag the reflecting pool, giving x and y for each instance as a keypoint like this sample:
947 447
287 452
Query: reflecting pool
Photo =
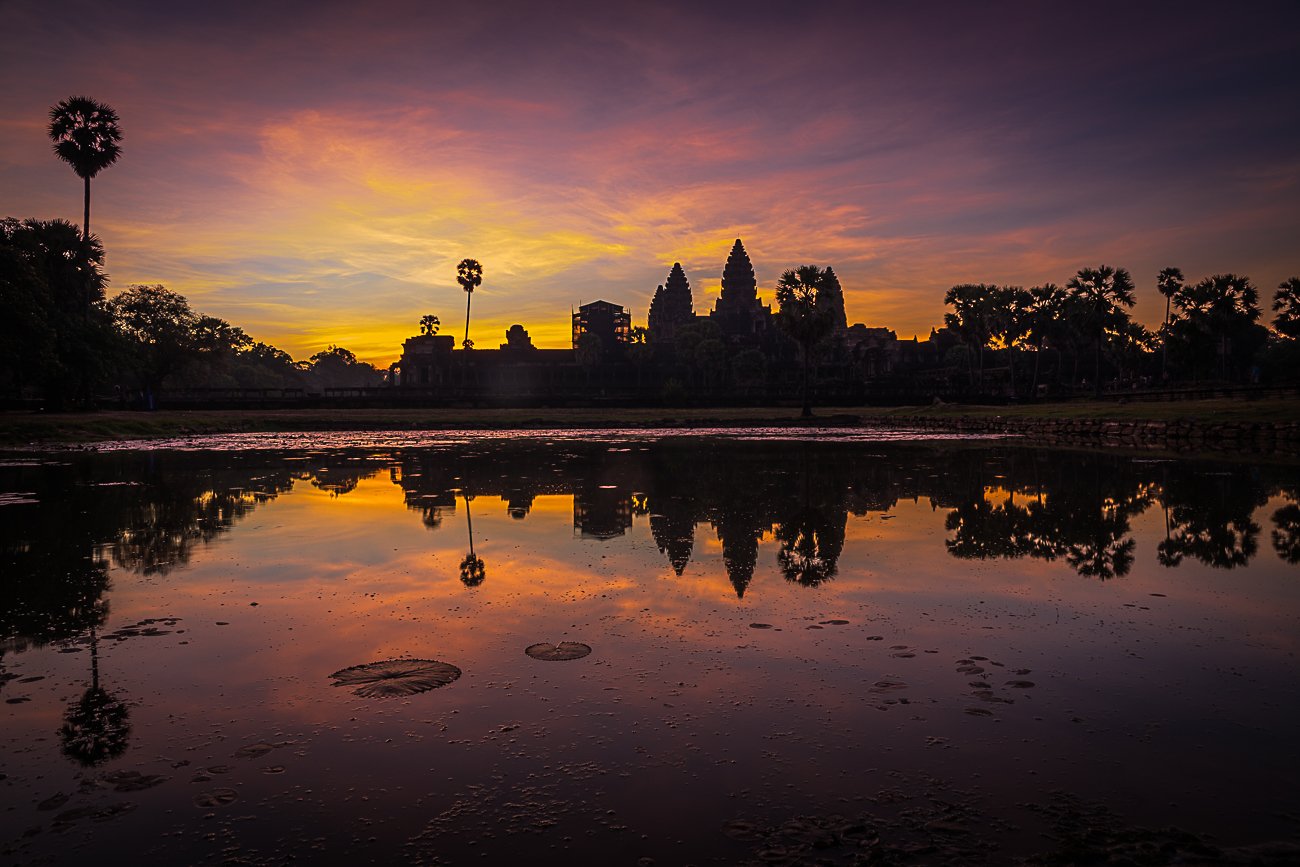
628 648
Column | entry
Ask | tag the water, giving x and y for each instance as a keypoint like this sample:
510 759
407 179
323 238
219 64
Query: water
858 651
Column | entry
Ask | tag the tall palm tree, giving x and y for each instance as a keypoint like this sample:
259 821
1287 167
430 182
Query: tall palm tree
1044 314
807 313
1170 282
469 274
972 319
86 136
1103 290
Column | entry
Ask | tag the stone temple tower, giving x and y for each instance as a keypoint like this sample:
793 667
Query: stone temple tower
671 306
738 312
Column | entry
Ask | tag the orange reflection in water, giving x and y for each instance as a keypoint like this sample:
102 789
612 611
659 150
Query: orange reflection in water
795 620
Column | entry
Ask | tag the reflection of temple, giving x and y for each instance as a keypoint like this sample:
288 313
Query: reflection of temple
674 534
602 513
1076 510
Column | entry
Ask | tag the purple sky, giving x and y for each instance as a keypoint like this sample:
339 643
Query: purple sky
313 171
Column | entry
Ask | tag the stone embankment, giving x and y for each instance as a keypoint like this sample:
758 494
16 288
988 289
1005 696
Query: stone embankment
1182 435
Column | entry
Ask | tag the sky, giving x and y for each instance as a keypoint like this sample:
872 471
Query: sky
313 171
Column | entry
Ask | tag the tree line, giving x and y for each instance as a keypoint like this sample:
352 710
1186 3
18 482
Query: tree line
64 340
1211 331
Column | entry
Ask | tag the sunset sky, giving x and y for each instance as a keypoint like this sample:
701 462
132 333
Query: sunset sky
313 171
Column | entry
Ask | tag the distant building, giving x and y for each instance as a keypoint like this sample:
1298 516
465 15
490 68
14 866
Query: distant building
423 359
517 340
610 322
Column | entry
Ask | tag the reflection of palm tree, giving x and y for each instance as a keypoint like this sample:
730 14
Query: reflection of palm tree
86 137
810 548
1286 538
472 568
1107 557
469 274
1210 521
96 727
811 543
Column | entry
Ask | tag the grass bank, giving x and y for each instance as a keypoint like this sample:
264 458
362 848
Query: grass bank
19 429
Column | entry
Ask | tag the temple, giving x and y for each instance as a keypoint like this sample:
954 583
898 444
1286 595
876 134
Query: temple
734 353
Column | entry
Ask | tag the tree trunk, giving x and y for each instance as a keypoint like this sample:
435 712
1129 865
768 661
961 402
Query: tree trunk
468 297
1164 348
1097 384
1038 357
1011 368
807 404
85 226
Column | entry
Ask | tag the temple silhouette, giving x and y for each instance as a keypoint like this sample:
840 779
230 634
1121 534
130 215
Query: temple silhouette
734 353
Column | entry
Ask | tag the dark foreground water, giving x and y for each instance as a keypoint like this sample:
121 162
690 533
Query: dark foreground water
800 652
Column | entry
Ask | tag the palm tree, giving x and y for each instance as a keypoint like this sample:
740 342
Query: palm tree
86 136
1220 307
1286 303
807 312
972 318
469 274
1103 290
429 324
1043 312
1011 322
1170 282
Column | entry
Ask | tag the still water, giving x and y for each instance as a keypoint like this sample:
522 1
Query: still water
804 651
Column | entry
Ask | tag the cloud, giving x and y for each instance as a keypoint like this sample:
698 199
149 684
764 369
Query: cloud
316 177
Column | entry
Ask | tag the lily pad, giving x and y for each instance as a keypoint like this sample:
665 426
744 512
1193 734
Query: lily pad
395 677
216 798
561 652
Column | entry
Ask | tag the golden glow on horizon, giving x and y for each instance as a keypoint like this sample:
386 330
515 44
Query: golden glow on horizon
343 226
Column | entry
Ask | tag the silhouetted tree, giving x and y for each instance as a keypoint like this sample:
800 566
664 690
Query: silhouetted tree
806 296
1219 311
1286 304
588 351
1103 291
1044 320
337 367
972 319
429 324
469 274
158 325
86 136
1011 322
1170 283
51 288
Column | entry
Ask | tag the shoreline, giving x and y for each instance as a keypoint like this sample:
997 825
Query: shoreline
1269 426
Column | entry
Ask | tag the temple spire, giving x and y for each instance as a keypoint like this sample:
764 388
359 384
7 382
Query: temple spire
671 306
739 287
